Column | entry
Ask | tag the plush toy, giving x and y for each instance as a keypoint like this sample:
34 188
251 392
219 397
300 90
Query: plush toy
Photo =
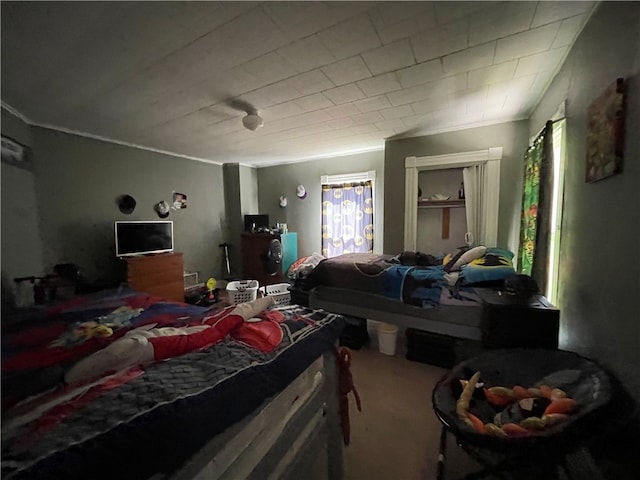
345 385
523 411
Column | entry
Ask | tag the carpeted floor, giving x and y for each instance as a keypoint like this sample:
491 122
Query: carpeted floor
396 436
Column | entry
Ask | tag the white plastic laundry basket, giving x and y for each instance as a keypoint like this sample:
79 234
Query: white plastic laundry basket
387 338
280 293
242 291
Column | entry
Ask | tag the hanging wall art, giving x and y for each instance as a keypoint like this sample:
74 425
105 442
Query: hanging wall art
605 133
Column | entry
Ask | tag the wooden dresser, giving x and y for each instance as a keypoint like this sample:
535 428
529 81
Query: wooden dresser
160 275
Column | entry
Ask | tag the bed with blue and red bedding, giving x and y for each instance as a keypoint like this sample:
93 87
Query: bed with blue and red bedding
121 384
435 293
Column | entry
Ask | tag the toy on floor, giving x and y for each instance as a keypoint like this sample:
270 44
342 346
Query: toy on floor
345 385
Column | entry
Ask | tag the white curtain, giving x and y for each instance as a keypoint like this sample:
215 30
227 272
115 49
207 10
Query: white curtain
474 191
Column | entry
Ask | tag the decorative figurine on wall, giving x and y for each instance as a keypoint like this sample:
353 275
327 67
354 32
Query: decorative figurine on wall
301 192
126 204
283 202
179 201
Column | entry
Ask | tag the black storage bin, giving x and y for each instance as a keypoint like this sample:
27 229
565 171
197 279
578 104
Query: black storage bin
431 348
509 320
354 334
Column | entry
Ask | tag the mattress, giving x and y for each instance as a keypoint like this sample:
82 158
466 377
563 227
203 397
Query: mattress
460 319
150 421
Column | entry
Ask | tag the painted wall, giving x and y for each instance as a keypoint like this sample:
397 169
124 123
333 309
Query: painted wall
429 227
599 278
241 195
78 181
511 136
304 216
21 243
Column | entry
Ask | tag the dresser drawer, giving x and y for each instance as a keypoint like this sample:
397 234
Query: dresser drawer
160 275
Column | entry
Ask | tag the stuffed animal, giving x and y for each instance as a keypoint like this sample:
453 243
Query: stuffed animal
345 385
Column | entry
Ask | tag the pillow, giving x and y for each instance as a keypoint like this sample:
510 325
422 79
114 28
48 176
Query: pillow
489 269
501 252
463 257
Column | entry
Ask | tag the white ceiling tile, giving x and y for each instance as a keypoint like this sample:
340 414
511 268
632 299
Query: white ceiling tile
344 94
380 84
373 103
416 120
421 73
435 43
230 83
309 118
526 43
399 30
501 20
476 100
271 95
313 102
347 71
390 124
449 11
470 59
287 109
390 13
390 57
340 111
364 128
270 68
305 130
343 10
310 82
397 112
493 74
369 117
540 62
569 28
75 66
350 37
340 133
307 53
430 105
518 85
297 19
340 123
548 12
409 95
231 39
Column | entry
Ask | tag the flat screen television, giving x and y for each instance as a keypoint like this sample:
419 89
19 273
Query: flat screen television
143 237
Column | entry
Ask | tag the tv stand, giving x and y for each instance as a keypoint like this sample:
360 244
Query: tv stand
160 275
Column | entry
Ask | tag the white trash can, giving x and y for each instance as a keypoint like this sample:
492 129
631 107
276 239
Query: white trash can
372 331
387 338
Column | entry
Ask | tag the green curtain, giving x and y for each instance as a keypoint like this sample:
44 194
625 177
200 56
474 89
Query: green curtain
535 227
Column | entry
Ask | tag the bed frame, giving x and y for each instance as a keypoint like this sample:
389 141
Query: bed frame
288 437
294 433
463 322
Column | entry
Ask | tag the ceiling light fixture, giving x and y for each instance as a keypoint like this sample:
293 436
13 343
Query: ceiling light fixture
252 121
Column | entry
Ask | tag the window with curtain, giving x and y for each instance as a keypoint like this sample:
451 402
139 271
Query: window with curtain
347 218
537 204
